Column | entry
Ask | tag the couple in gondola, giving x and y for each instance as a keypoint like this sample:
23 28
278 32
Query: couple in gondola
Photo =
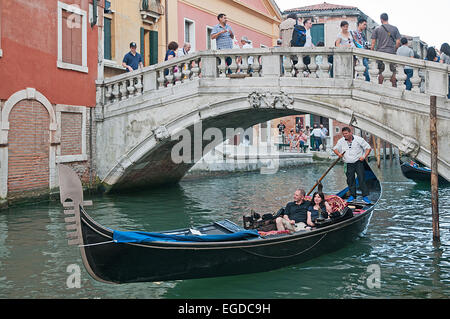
301 213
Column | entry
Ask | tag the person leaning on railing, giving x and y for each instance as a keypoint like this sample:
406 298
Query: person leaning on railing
445 58
223 34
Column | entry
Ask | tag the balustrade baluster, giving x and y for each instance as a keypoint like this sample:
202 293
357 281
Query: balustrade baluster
169 77
373 71
300 66
115 92
108 94
222 67
325 67
401 77
186 72
123 90
244 64
177 73
195 69
313 67
161 79
233 66
131 88
387 74
256 66
360 69
288 66
138 86
415 80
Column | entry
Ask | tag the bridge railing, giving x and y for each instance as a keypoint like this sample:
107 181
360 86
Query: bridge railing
339 63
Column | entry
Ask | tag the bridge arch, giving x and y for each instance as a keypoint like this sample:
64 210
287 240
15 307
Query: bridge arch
150 162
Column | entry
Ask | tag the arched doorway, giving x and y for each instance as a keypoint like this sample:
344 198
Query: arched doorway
28 143
28 147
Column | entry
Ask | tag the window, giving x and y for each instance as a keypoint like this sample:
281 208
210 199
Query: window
72 121
107 7
210 43
72 38
149 46
318 33
189 33
107 51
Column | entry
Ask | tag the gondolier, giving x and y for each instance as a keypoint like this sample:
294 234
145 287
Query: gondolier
356 151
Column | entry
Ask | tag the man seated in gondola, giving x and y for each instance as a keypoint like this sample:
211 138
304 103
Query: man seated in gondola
295 213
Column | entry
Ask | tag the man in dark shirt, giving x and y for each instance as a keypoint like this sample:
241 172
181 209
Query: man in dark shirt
386 38
295 213
132 60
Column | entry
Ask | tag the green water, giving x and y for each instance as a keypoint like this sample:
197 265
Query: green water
34 255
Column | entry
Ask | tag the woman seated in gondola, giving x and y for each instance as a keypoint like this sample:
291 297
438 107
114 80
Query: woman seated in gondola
319 209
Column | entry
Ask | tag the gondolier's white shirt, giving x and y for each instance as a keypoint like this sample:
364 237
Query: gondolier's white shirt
353 150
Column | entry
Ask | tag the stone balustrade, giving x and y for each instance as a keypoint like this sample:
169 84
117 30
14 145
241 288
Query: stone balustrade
313 63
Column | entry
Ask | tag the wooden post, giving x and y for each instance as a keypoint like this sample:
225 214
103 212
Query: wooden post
374 142
434 169
378 152
390 153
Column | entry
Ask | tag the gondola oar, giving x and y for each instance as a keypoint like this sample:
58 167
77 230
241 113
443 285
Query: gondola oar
324 175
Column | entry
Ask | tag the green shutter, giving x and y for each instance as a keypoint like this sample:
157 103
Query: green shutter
107 39
142 52
153 47
318 33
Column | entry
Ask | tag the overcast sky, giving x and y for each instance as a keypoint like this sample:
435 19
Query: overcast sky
428 19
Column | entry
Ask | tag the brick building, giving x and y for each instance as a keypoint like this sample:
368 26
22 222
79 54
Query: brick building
48 68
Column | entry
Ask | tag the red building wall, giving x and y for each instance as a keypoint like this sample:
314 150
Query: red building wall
29 41
45 103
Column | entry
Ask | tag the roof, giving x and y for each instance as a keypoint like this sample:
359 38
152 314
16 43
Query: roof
322 7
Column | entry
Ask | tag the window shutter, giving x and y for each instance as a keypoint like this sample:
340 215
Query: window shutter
153 47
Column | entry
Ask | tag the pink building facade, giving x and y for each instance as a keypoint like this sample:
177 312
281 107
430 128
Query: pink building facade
196 23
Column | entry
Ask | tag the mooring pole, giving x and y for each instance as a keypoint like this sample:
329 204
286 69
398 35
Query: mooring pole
434 169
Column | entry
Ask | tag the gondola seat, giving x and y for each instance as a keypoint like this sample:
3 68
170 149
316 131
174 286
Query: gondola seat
337 203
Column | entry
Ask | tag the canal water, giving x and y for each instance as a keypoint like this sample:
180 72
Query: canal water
36 262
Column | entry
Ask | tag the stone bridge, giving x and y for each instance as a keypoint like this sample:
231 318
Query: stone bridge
140 115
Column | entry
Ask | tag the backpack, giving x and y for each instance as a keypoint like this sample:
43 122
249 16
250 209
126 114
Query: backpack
298 36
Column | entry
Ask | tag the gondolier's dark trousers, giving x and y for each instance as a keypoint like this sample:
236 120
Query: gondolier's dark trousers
359 169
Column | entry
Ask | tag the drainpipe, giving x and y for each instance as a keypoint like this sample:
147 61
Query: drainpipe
94 13
90 147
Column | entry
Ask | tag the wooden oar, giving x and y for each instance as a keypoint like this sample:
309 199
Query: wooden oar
326 173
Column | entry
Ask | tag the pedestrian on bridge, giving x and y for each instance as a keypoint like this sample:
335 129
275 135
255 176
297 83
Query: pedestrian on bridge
386 38
406 51
223 34
445 58
132 60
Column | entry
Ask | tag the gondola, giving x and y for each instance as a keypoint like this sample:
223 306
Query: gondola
417 173
219 249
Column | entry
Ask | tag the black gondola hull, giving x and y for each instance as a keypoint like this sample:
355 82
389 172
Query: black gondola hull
109 261
420 175
127 263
